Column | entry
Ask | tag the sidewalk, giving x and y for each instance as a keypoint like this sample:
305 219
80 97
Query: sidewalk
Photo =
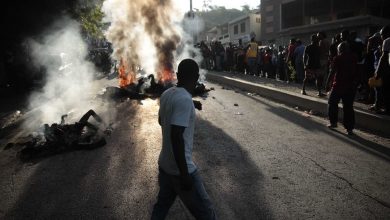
289 93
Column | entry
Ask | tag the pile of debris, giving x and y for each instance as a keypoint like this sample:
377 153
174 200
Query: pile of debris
146 87
63 137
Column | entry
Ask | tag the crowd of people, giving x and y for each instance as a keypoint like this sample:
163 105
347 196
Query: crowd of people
345 65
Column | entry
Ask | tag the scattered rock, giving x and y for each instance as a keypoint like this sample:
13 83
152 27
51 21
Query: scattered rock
235 104
275 178
239 113
212 88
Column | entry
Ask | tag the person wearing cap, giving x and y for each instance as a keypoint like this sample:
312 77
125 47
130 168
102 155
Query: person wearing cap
345 80
178 174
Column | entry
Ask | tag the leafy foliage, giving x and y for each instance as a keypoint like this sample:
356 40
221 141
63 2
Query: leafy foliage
219 15
90 16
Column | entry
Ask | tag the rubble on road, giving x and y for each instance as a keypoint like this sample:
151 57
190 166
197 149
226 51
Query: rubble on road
146 87
59 138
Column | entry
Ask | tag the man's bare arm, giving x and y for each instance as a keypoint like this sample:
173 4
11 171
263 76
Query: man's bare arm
179 154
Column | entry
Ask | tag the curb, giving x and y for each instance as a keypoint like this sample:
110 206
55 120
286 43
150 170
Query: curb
366 121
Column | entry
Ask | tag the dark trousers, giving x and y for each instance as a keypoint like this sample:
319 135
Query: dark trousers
196 200
349 113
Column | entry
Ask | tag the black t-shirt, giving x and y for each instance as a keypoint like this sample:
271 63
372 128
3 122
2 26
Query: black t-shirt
312 56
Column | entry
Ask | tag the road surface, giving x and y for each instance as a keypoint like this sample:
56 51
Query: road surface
258 160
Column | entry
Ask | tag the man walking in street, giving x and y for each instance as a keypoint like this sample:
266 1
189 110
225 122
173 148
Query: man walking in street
178 175
345 80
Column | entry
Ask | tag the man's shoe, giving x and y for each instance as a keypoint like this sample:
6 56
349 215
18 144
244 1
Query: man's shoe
350 132
303 92
320 94
331 126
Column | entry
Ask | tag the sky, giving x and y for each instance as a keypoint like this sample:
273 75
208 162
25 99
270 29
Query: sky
198 4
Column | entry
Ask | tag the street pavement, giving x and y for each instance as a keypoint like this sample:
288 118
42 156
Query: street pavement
259 160
289 94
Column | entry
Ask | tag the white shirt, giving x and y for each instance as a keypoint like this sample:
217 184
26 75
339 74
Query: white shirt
176 108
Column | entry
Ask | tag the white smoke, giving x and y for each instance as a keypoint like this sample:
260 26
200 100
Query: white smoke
70 85
150 33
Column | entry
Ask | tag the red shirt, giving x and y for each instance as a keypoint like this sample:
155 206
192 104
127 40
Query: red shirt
346 75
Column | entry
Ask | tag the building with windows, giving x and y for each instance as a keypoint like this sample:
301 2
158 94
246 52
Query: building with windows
284 19
240 28
244 27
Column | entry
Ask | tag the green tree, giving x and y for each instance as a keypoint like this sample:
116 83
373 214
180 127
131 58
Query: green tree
89 14
245 8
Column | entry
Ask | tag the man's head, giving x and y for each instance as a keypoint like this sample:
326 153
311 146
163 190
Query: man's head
385 32
321 35
314 38
293 41
345 36
342 47
188 74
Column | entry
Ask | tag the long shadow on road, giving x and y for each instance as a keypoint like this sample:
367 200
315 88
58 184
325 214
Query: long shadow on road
233 181
311 125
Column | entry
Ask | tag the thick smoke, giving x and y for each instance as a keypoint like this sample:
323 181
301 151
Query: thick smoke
70 85
147 33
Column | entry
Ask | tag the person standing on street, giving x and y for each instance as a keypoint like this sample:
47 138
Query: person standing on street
345 81
251 54
383 70
311 60
324 45
298 57
178 175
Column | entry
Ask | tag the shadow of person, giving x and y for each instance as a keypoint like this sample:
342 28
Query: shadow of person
233 181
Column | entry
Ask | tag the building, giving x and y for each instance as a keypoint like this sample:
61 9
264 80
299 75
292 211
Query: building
284 19
244 27
240 28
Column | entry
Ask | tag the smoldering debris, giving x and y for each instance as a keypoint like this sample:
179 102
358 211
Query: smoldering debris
146 87
59 138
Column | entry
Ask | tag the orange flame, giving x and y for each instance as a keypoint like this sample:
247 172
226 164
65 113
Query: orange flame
166 76
126 74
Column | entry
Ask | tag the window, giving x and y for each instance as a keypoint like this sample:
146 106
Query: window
258 20
236 29
242 27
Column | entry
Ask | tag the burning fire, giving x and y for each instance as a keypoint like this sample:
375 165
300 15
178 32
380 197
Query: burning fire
166 76
126 74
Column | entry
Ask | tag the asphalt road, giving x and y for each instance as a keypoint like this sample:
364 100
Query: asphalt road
258 160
